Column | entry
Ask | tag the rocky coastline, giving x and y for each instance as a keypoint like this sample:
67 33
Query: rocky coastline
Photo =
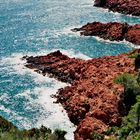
93 100
131 7
112 31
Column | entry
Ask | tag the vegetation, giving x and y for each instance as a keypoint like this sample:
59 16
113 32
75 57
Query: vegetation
136 56
10 132
97 136
130 128
131 89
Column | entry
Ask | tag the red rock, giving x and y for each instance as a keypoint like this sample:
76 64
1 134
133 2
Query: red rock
133 34
92 101
123 6
85 128
113 31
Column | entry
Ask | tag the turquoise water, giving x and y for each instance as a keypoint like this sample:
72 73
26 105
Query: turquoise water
36 27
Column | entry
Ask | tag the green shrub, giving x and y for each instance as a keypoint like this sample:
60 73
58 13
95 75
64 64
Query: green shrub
129 129
136 56
60 133
97 136
10 132
131 89
111 130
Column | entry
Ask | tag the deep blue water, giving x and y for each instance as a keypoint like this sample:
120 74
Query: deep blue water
35 27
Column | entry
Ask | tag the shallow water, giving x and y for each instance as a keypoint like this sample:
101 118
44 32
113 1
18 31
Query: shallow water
36 27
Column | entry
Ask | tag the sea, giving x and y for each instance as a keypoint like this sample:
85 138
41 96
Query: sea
38 27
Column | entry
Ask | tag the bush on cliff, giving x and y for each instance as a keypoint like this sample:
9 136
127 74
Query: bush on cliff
131 89
136 56
97 136
10 132
130 128
6 125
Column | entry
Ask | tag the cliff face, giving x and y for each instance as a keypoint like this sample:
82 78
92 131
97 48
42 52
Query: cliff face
113 31
93 99
123 6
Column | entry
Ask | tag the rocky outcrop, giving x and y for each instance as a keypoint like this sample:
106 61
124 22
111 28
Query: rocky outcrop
133 34
113 31
92 101
57 65
123 6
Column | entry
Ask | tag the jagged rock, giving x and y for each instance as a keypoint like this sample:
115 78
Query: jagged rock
133 34
92 101
113 31
85 128
123 6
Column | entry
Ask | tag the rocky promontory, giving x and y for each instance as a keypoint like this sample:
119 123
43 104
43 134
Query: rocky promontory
113 31
131 7
93 100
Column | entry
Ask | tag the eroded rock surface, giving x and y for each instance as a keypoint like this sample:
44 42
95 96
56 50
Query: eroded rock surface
113 31
123 6
92 101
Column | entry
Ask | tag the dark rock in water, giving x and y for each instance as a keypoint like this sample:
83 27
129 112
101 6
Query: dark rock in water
92 101
123 6
100 3
75 29
113 31
24 57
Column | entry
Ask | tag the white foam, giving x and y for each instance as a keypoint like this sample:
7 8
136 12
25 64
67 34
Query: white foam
109 41
131 44
43 101
101 9
127 15
12 114
116 42
68 31
25 94
46 87
4 97
56 115
15 65
52 9
27 13
72 53
11 1
2 108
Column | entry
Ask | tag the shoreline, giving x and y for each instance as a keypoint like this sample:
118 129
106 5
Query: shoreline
113 31
92 95
130 7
